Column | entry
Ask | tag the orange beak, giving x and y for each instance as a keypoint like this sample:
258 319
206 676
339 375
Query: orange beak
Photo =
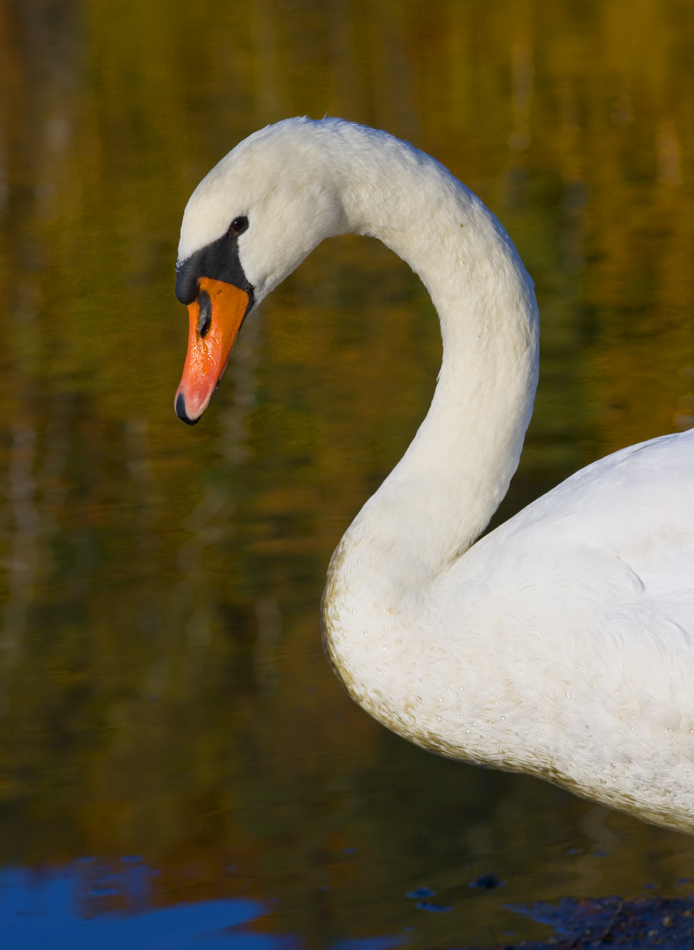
215 320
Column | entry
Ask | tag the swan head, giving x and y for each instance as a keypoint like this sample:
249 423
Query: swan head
249 223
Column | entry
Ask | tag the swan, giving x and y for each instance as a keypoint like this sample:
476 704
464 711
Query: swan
561 643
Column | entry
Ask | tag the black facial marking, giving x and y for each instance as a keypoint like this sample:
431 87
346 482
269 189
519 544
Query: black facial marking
218 260
205 320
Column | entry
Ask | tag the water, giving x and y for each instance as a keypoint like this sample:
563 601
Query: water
163 692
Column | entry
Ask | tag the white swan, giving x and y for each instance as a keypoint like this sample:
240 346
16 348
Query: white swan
561 643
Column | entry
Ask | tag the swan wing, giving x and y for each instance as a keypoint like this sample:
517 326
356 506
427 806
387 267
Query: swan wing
590 589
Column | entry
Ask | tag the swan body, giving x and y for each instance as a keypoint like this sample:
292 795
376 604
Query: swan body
562 643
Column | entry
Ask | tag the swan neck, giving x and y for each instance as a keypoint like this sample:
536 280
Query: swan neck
441 495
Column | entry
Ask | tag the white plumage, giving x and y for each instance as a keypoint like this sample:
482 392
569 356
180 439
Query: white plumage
561 644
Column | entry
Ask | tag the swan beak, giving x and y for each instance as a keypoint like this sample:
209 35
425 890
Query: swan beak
216 316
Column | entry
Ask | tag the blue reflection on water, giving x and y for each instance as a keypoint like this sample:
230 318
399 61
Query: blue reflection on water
45 913
370 943
63 909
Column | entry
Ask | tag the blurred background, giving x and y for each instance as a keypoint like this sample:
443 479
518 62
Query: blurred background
170 732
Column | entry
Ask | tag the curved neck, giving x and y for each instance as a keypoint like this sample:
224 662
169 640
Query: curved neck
456 471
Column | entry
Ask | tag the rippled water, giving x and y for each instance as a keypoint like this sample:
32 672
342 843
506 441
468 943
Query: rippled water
163 692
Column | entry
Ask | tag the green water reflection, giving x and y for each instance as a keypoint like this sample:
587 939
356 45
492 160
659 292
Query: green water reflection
163 691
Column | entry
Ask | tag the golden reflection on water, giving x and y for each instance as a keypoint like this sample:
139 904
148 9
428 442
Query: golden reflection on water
163 690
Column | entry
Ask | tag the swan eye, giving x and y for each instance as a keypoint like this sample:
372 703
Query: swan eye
205 318
239 225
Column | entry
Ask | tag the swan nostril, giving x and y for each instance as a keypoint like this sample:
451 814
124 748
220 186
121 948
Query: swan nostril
205 318
181 410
